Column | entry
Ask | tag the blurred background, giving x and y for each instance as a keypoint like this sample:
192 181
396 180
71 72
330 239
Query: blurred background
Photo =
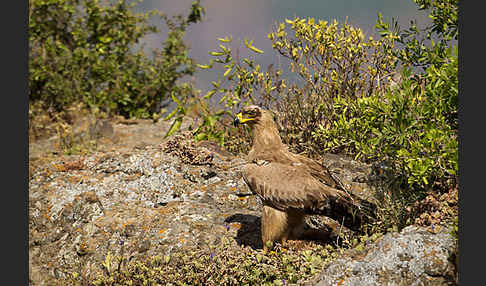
254 19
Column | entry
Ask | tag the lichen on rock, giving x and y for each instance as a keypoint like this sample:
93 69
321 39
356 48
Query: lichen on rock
163 198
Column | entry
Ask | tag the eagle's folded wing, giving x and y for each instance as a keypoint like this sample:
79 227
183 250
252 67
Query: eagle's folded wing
318 171
287 187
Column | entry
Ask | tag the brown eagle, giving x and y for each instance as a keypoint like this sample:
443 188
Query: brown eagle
290 185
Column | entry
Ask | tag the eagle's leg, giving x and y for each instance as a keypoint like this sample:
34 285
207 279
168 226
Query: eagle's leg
274 226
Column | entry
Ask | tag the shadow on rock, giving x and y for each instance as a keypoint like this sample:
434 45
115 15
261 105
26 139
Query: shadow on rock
249 234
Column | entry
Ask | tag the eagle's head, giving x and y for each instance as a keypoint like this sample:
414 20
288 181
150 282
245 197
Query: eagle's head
264 129
251 115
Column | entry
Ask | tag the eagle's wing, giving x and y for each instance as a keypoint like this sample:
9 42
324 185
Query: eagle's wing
318 171
285 187
325 176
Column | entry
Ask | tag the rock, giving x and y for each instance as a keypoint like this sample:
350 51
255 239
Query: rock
168 196
215 148
101 128
144 246
208 174
412 257
128 202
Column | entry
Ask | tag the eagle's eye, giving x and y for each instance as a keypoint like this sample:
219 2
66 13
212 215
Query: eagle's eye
251 112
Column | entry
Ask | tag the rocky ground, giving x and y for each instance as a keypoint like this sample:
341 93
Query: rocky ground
414 256
138 195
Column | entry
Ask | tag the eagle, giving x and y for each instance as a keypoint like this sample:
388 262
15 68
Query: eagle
290 185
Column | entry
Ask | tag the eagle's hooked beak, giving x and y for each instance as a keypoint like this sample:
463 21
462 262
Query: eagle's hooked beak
240 120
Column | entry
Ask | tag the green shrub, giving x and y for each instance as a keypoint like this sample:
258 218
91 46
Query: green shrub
333 64
242 77
84 51
336 65
413 125
344 95
417 45
344 101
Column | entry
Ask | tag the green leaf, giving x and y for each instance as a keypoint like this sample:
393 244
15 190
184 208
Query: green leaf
209 94
255 50
216 53
227 72
171 114
226 50
175 99
216 84
212 120
174 127
226 40
204 66
201 136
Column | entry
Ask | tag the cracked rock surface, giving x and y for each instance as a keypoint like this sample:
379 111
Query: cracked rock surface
412 257
138 196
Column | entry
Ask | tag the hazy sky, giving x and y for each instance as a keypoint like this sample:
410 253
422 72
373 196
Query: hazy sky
253 19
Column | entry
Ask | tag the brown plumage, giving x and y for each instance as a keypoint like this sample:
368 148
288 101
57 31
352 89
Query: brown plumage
289 185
